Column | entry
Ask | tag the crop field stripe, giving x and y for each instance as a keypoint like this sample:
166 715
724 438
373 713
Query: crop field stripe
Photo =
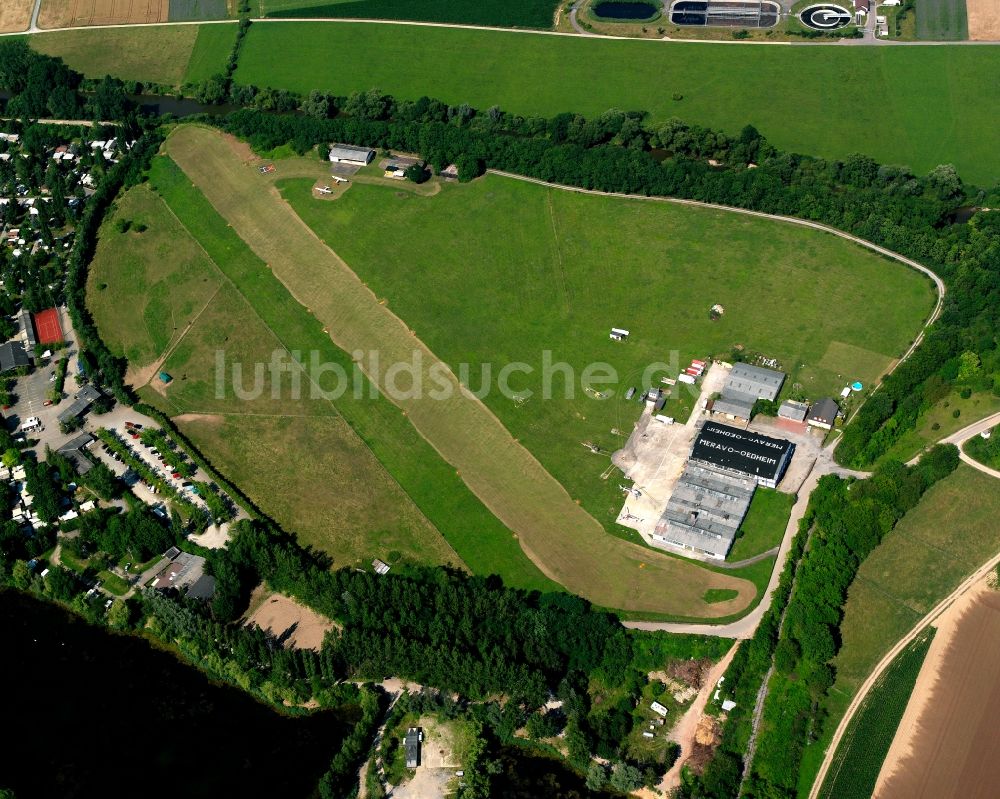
560 537
866 743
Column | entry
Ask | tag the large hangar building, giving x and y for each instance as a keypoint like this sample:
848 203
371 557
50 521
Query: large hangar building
715 490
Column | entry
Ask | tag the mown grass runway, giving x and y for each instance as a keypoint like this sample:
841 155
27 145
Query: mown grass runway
559 536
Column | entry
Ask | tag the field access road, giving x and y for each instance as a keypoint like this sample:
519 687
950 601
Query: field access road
576 35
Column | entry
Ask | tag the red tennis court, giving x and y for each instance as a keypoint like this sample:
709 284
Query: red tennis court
47 328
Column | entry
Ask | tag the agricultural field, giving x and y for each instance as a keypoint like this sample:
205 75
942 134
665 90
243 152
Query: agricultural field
15 15
498 469
159 54
952 531
983 20
74 13
942 20
153 292
943 112
856 766
473 250
518 14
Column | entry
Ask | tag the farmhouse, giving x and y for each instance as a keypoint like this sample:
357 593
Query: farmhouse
742 453
349 154
747 384
411 743
823 414
793 411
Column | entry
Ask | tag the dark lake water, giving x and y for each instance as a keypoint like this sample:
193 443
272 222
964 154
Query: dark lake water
87 714
638 11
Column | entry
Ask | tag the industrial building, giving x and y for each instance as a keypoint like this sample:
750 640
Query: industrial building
714 492
705 511
793 411
745 385
743 453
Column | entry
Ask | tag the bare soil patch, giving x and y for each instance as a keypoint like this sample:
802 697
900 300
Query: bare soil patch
15 15
984 20
295 625
70 13
946 744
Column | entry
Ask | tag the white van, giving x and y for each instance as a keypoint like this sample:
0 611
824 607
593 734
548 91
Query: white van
31 424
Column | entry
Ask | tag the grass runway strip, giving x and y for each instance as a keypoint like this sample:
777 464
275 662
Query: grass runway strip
559 536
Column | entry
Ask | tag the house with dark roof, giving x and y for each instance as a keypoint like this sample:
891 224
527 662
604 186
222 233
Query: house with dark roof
85 397
74 451
823 414
12 356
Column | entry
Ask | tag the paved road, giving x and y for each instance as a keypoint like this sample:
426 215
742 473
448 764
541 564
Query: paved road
579 31
33 25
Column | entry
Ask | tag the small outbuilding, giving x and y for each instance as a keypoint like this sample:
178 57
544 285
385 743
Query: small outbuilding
349 154
823 414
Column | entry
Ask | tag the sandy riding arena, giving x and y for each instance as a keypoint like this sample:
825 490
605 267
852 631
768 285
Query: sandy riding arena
295 624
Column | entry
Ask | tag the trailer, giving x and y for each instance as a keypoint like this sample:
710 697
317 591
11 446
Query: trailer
619 334
686 378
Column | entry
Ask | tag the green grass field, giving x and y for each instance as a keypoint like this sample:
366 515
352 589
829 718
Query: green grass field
986 451
951 532
943 111
158 53
514 14
500 271
210 52
940 421
764 525
157 293
859 757
942 20
610 572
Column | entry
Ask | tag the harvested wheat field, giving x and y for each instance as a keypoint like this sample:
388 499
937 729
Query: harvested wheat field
563 540
984 20
295 625
71 13
15 15
946 745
